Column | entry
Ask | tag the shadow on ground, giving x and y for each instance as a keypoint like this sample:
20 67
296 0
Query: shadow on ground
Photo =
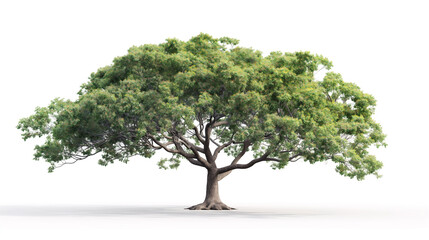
148 211
165 212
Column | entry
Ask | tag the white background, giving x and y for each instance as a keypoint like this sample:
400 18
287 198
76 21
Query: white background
49 48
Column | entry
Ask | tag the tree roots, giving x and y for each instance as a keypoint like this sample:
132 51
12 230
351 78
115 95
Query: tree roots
210 206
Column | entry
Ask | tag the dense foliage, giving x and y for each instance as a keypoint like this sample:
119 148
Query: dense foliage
188 97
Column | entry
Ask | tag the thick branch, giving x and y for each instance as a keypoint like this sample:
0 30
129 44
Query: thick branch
191 145
246 145
208 129
195 162
220 123
202 140
244 166
189 155
182 151
207 151
253 162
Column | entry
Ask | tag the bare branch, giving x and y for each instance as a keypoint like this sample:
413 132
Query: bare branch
189 155
243 166
220 123
220 148
294 158
207 151
182 151
190 145
170 138
76 158
246 145
195 162
164 146
253 162
215 143
202 140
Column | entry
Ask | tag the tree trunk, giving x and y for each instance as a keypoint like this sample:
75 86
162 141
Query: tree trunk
212 200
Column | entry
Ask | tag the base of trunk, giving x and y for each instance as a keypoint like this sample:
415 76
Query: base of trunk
210 206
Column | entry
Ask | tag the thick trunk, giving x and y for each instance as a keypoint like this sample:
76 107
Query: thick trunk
212 200
212 188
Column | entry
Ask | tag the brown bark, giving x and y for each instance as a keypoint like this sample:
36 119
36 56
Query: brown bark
212 200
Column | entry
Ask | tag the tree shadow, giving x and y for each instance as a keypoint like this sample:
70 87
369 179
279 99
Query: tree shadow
148 211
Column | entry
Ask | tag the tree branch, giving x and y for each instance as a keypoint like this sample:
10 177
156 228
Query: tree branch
170 138
202 140
243 166
190 145
215 143
189 155
220 148
253 162
208 129
164 145
220 123
207 151
76 158
246 145
182 151
195 162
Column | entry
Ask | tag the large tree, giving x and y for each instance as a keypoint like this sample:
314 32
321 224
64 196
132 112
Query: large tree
197 99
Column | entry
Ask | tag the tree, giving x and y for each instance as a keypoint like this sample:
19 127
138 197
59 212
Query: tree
199 98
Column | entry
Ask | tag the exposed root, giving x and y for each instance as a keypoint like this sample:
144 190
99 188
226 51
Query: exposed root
210 206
